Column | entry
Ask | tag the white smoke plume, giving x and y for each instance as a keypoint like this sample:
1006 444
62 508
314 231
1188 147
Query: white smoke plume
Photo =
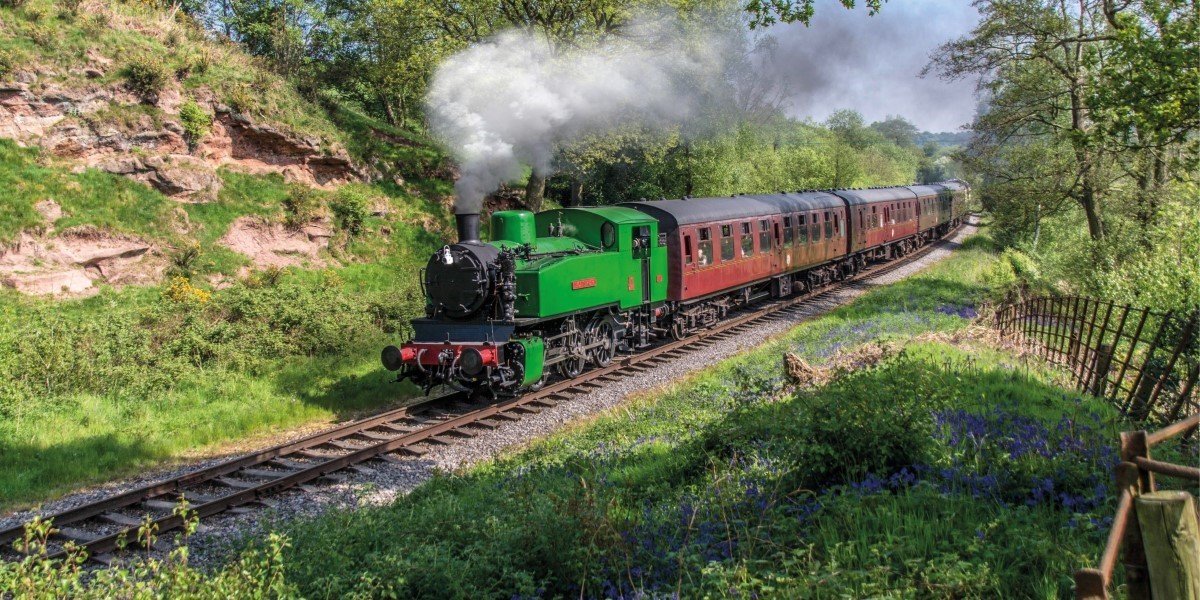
508 102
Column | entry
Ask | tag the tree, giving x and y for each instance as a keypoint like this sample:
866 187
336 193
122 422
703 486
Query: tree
1033 57
764 13
1145 94
897 129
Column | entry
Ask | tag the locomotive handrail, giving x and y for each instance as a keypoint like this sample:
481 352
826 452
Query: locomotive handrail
1134 477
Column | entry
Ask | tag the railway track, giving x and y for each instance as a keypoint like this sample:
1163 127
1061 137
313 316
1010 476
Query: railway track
241 484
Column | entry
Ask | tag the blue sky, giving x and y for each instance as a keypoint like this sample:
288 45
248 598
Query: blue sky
847 59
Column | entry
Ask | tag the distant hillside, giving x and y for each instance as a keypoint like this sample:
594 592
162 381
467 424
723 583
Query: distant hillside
228 157
944 138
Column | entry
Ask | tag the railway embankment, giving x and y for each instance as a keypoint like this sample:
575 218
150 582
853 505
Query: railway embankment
923 459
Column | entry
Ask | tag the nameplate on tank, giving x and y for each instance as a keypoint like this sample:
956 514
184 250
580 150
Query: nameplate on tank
580 284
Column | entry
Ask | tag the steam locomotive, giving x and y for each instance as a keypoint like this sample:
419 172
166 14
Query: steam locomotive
566 289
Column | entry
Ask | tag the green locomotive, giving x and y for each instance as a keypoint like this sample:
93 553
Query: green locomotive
556 290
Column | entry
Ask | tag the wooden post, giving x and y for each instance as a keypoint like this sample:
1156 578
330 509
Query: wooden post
1137 584
1171 540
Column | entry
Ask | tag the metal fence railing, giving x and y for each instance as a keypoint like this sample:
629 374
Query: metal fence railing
1145 362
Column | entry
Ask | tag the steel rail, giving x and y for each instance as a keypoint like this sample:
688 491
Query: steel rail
98 546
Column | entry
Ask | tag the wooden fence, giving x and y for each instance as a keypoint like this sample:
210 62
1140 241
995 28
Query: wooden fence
1156 532
1145 362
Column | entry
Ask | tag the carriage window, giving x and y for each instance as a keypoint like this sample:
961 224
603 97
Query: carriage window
764 240
874 217
801 230
787 221
763 225
828 226
747 241
727 250
837 226
745 228
787 235
815 232
687 249
705 247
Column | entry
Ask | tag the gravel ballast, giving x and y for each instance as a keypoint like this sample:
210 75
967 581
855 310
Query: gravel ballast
380 482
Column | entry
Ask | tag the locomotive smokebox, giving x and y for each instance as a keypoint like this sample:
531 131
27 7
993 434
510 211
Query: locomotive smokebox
468 227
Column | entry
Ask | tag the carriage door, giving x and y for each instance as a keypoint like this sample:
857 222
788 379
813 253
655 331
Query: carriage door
641 251
779 264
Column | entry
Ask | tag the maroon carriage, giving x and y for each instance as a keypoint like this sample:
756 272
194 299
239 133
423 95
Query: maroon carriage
725 252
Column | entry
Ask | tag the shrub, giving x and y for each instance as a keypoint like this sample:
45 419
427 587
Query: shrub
146 76
181 291
13 3
70 7
195 121
241 100
268 277
95 23
201 61
350 206
8 64
302 205
184 261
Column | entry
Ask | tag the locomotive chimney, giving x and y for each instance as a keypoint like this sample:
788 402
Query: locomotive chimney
468 227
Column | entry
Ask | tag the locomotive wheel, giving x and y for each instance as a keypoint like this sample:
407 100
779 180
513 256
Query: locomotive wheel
537 385
601 330
679 329
573 366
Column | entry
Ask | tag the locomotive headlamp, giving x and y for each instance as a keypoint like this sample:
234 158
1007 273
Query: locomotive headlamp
445 256
471 362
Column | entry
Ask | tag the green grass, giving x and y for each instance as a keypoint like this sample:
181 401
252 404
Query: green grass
88 437
92 197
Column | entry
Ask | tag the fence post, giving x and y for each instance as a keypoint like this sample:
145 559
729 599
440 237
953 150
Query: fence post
1104 356
1172 543
1089 585
1137 582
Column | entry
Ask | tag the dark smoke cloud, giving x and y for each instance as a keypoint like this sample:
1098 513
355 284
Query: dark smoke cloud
847 59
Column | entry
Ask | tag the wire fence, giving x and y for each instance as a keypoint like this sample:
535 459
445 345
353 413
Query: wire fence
1144 362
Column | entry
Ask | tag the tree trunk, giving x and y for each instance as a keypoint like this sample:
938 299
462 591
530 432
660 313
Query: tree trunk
576 192
535 191
1088 201
388 112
